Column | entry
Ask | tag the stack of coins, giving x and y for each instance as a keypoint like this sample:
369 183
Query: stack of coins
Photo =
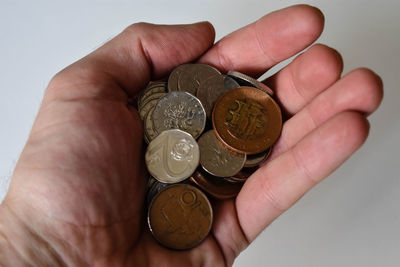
235 121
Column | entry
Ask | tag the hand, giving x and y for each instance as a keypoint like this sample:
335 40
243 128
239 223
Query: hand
77 193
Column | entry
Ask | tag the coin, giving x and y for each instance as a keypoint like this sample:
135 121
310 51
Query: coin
256 159
247 120
172 156
180 216
193 75
246 80
212 88
156 87
150 134
215 186
174 76
144 109
217 159
179 110
156 187
243 175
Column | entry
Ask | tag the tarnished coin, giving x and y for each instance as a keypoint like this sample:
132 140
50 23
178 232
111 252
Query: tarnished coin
180 216
151 97
215 186
174 76
179 110
212 88
156 87
217 159
144 109
172 156
246 80
247 120
193 75
256 159
242 176
149 126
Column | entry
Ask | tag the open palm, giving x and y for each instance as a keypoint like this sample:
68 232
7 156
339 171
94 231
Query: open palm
77 194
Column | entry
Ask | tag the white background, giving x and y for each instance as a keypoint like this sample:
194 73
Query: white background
351 219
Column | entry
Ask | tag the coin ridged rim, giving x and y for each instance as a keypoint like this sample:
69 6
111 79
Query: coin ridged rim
251 80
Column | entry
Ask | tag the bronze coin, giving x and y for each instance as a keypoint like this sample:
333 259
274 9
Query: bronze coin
180 216
174 76
247 120
215 186
217 159
212 88
192 76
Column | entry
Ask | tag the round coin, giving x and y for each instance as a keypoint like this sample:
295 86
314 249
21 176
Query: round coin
192 76
174 76
256 159
156 87
246 80
214 186
172 156
212 88
149 126
144 109
247 120
179 110
180 216
217 159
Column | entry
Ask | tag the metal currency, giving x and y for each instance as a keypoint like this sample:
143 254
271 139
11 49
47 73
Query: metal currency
180 216
256 159
193 75
156 87
179 110
246 80
247 120
217 159
174 76
212 88
242 176
155 187
215 186
151 97
150 134
172 156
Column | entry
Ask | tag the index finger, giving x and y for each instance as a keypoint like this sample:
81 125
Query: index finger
275 37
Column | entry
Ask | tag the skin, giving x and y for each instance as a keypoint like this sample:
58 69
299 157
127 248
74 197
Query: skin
77 193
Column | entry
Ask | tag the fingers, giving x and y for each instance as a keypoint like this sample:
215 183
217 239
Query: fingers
273 38
278 185
305 77
140 53
360 90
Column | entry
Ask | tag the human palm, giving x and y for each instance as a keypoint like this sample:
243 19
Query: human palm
78 189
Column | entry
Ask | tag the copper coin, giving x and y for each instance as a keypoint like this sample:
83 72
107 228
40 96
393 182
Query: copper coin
180 216
256 159
217 159
212 88
247 120
215 186
192 76
174 76
246 80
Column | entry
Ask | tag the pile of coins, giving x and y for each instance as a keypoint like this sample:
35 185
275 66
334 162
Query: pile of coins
235 121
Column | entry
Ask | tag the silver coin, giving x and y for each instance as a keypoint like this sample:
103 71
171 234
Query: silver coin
172 156
193 75
217 159
156 87
174 76
179 110
256 159
212 88
245 80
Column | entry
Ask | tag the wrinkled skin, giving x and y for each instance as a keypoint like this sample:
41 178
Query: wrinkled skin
77 193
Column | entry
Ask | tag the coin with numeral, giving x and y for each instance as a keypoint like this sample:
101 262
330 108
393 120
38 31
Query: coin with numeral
172 156
180 216
179 110
247 120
